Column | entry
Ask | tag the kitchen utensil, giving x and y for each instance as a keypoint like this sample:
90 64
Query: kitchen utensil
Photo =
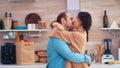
21 27
31 27
100 51
107 56
32 18
5 37
11 35
107 43
41 25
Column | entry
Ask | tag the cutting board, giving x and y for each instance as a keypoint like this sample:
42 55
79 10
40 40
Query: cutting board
32 18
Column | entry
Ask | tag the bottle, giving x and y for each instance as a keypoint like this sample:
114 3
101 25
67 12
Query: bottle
17 37
10 20
105 20
6 20
14 24
1 24
21 38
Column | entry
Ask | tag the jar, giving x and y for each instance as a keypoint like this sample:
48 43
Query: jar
14 24
41 25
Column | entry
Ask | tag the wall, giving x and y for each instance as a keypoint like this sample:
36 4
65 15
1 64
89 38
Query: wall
96 9
47 10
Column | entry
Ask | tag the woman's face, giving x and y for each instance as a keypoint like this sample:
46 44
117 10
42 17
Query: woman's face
76 22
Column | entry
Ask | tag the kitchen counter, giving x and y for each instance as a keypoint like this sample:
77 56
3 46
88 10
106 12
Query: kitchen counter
97 65
41 65
36 65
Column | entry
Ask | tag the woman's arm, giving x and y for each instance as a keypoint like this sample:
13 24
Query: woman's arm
67 36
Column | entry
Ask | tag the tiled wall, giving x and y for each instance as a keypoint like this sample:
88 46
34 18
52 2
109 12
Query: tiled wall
48 10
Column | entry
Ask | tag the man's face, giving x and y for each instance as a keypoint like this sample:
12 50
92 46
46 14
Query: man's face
69 21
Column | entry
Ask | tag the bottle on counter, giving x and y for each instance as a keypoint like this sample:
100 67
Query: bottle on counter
105 20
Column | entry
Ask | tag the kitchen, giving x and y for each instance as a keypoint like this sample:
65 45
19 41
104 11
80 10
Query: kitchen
48 12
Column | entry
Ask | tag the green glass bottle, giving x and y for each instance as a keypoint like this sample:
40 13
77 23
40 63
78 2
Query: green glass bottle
1 24
105 20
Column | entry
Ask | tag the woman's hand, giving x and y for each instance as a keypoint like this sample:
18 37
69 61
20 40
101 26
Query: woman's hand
57 25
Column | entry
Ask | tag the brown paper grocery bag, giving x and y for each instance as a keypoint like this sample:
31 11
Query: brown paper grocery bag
25 53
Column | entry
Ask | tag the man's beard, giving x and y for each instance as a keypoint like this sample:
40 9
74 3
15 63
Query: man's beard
70 28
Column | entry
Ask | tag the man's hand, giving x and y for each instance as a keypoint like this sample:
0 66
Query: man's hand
87 59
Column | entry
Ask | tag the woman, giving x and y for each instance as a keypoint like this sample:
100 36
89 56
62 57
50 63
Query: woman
76 38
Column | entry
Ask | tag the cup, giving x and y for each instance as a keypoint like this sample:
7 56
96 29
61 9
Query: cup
41 25
31 26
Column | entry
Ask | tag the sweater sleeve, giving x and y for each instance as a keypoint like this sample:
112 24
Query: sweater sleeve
70 37
63 49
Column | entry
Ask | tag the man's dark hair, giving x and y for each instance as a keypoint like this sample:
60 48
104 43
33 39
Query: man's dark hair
59 17
86 19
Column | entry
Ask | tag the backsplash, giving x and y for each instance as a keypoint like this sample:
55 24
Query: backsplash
47 11
96 9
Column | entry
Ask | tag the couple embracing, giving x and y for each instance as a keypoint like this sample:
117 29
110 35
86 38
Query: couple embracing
67 41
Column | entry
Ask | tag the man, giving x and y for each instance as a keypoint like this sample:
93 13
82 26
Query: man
58 51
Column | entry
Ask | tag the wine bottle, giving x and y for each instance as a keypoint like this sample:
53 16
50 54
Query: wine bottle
105 20
1 24
6 21
10 20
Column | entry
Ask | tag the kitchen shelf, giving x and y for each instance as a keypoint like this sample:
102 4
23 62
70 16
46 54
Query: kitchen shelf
25 30
28 32
109 29
113 31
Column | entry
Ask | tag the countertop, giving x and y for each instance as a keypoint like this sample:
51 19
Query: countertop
97 65
36 65
41 65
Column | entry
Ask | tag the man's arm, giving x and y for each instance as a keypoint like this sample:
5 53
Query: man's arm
63 49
